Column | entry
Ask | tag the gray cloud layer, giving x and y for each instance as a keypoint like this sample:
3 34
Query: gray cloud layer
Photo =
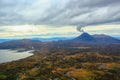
59 12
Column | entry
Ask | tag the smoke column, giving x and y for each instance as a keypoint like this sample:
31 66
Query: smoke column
79 28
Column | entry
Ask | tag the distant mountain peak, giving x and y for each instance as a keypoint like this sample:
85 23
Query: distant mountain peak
85 37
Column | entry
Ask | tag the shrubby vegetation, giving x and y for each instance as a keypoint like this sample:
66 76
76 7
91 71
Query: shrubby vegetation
63 60
56 64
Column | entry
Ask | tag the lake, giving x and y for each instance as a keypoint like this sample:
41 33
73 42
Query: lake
12 55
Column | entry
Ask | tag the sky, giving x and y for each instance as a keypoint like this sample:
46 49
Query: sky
58 18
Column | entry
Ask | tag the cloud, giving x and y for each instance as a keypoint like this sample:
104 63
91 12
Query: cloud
41 31
27 17
38 31
59 12
21 11
112 30
87 12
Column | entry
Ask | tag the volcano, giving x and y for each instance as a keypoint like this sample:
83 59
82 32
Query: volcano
84 37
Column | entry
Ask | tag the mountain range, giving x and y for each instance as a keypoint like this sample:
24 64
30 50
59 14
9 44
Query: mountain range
84 38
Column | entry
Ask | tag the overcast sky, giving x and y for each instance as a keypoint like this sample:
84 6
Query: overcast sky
58 18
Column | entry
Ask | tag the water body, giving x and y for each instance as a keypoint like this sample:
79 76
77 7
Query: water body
12 55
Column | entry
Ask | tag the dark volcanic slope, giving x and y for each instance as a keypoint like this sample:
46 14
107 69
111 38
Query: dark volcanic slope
85 37
105 39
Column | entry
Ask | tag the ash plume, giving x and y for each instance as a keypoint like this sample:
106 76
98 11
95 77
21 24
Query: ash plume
79 28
